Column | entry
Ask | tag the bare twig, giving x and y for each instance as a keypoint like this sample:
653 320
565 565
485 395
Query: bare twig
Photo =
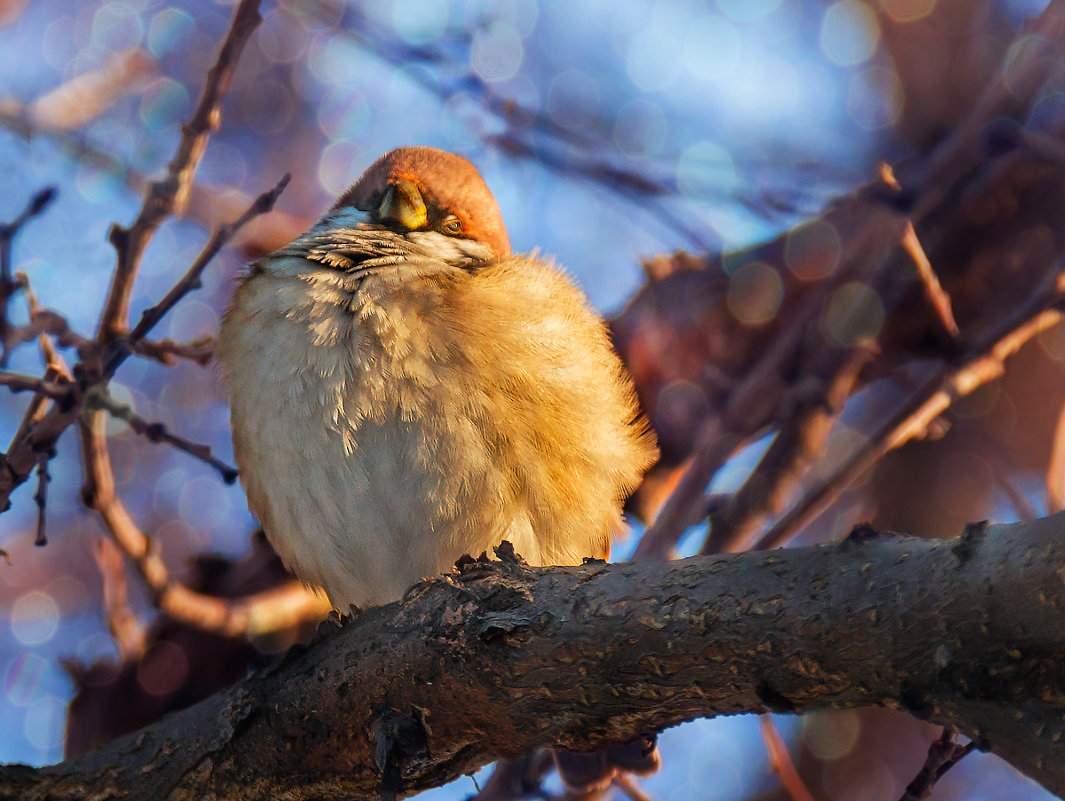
40 497
984 362
9 282
943 754
873 229
781 760
46 321
262 613
1055 478
170 194
629 788
20 460
168 352
934 291
126 627
157 432
207 205
191 279
17 382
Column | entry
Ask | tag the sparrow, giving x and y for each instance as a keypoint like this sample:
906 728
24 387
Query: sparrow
405 390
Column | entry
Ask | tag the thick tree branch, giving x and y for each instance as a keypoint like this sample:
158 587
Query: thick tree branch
500 658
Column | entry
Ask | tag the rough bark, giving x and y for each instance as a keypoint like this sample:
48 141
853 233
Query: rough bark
500 658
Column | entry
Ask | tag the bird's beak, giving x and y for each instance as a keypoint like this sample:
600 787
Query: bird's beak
403 204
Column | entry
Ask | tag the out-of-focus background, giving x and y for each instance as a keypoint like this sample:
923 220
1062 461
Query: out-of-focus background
610 131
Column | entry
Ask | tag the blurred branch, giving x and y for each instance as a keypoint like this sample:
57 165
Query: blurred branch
780 759
252 615
575 154
985 217
937 296
476 652
1022 72
85 97
1055 477
871 228
27 383
984 361
169 195
209 206
127 629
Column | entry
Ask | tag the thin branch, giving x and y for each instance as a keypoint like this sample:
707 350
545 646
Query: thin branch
191 279
984 363
18 382
40 497
1055 477
253 615
157 432
629 788
127 629
9 283
46 321
168 352
934 291
20 460
780 759
943 754
169 195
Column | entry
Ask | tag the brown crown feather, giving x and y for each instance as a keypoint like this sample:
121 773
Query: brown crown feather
448 183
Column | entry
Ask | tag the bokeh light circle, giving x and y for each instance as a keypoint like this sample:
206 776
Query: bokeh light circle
849 33
747 10
640 128
712 48
338 165
875 98
34 618
168 30
45 723
812 250
573 99
705 170
497 52
907 10
25 678
831 735
420 22
755 292
853 313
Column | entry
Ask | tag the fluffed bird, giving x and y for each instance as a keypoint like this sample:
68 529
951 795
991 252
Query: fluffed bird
404 391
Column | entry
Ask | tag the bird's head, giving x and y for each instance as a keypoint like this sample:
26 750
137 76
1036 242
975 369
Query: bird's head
424 189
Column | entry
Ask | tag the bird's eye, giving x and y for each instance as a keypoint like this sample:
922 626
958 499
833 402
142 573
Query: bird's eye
452 225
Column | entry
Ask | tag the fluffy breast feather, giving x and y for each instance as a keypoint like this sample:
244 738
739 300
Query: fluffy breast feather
383 429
